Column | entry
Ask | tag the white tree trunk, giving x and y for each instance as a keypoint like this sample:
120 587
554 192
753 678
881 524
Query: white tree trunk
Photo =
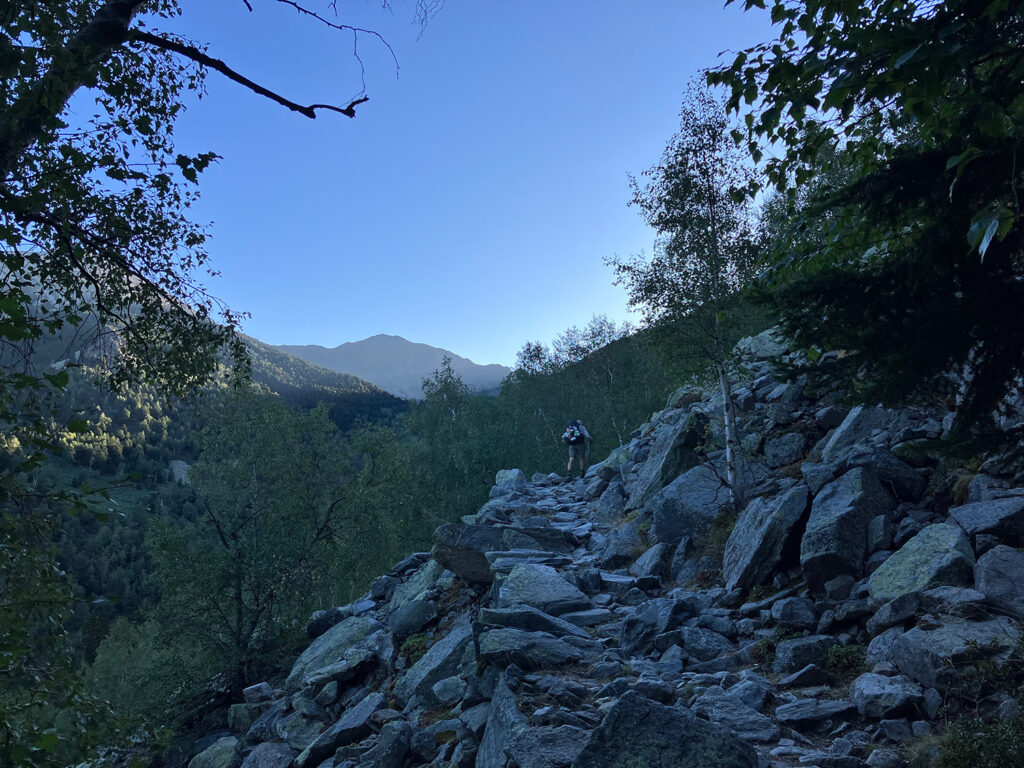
731 444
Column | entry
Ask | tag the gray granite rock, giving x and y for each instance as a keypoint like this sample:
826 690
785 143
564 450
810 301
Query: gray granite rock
652 562
795 612
760 537
270 755
811 712
673 451
881 696
940 554
529 618
353 726
938 657
541 587
785 449
223 753
650 619
412 617
730 713
610 507
896 475
894 612
859 425
703 644
999 517
999 575
425 578
835 541
330 648
391 748
687 506
639 732
529 650
440 661
793 654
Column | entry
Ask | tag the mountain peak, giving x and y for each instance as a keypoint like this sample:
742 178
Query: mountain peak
396 364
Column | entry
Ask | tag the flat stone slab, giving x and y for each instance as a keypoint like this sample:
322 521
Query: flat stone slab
542 587
529 618
529 650
938 555
999 517
810 711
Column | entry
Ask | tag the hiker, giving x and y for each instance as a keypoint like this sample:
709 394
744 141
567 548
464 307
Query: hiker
578 439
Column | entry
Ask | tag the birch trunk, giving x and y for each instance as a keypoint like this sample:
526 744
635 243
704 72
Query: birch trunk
731 448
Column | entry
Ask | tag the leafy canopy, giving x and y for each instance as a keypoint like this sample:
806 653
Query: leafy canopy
919 272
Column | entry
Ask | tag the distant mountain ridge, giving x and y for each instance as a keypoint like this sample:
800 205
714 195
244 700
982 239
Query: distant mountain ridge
397 365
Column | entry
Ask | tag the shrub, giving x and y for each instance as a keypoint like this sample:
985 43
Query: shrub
846 661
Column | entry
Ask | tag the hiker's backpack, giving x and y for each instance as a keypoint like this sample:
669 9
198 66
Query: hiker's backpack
573 435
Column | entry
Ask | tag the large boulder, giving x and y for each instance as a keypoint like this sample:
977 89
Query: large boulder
223 753
760 537
883 697
998 517
729 712
353 726
938 657
610 507
428 576
940 554
510 480
784 449
270 755
859 425
530 650
639 732
687 506
791 655
330 648
461 548
999 575
674 451
895 474
650 619
835 541
542 587
440 661
509 740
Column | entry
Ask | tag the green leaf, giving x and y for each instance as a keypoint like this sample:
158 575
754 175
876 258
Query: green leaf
78 425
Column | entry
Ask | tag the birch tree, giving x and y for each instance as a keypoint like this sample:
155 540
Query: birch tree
706 249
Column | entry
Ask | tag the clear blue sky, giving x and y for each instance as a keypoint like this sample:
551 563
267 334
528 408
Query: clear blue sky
470 203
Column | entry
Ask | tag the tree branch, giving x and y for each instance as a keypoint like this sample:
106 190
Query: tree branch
201 58
33 113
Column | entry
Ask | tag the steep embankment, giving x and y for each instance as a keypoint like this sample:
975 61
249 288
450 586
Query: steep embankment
621 621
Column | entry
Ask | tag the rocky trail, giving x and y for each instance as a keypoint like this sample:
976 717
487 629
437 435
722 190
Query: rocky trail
627 619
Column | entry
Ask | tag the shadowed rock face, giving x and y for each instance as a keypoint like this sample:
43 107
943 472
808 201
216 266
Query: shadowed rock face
559 627
835 541
640 732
